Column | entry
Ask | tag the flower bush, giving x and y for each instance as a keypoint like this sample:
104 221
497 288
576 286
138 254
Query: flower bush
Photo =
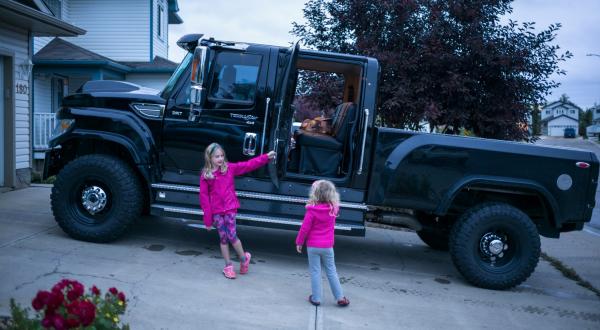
68 306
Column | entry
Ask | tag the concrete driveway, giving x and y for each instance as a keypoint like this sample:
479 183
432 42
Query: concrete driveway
171 274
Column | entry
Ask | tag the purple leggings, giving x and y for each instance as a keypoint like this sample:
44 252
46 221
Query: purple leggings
225 224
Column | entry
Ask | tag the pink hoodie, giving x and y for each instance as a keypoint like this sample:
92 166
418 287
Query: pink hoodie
317 227
218 195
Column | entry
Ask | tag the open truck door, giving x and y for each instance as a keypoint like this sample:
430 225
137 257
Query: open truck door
281 128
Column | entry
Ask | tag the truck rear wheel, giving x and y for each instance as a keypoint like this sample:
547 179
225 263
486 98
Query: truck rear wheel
96 198
495 246
435 239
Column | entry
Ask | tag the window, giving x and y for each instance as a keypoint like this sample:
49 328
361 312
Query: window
55 7
318 94
234 78
160 21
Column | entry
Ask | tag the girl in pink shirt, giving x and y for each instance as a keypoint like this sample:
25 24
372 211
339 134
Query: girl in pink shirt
317 231
219 203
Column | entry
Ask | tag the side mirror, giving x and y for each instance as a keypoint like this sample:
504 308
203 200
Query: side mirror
198 91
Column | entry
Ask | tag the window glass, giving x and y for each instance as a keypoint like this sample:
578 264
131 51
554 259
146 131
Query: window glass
234 78
161 18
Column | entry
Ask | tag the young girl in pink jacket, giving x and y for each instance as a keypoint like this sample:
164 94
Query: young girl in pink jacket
219 203
317 231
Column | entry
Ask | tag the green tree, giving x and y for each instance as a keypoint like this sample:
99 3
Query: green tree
449 62
585 120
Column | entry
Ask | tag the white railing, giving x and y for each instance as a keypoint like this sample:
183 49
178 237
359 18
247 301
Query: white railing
43 125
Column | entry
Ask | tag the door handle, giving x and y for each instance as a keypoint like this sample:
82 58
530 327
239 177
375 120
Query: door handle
249 146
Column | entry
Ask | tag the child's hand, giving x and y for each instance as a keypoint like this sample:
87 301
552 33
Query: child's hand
271 154
299 248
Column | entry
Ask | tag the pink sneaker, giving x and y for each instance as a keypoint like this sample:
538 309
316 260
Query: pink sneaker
229 272
244 265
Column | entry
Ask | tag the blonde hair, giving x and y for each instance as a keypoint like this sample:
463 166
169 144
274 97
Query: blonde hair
324 192
208 169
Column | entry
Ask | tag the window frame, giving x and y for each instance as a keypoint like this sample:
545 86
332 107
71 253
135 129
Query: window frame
160 18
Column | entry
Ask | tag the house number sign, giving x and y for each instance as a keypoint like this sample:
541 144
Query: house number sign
22 89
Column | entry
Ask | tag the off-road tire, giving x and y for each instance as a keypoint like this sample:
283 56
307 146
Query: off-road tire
124 198
435 239
487 221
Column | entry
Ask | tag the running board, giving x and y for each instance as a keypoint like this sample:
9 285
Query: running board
256 195
247 219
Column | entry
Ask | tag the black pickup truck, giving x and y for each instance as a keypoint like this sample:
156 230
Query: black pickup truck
120 150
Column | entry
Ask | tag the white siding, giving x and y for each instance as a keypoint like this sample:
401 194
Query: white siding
17 41
160 44
156 81
42 94
40 42
557 126
115 28
558 109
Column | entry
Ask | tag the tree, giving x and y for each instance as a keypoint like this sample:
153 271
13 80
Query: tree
585 119
449 62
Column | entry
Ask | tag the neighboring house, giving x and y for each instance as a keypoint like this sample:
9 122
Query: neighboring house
125 40
594 129
557 116
20 21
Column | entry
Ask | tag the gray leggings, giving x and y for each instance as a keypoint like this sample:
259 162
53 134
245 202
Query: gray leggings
316 256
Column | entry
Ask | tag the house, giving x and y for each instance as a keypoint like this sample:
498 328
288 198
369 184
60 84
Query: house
125 40
21 21
557 116
594 129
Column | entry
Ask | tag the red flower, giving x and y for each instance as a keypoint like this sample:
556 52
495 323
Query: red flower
40 300
95 291
59 322
113 290
47 321
86 313
121 296
76 291
72 323
55 300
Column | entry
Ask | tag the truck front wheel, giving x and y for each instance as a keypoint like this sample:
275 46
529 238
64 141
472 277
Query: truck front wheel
495 246
96 198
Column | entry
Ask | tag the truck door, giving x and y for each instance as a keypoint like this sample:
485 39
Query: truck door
279 137
232 114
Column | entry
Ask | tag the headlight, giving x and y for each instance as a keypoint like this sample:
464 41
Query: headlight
62 125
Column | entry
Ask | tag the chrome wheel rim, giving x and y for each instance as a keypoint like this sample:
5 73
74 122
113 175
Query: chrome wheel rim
93 199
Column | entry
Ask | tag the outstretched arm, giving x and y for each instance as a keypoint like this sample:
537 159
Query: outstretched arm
252 164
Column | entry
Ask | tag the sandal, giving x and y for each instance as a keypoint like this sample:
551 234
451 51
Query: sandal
315 303
244 265
228 272
343 302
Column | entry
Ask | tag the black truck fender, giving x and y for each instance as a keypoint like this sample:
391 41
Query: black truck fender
108 130
505 185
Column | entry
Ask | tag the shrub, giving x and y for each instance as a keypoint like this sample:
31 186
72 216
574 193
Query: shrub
67 306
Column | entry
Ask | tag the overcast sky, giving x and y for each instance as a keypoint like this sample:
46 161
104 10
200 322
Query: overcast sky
269 22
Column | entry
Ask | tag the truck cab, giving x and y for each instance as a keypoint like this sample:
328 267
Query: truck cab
242 97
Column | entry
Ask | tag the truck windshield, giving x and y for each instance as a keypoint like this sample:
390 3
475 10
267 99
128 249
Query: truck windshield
175 77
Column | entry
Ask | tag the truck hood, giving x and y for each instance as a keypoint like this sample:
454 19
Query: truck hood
95 90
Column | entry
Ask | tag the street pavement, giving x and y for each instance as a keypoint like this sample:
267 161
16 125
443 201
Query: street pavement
171 274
